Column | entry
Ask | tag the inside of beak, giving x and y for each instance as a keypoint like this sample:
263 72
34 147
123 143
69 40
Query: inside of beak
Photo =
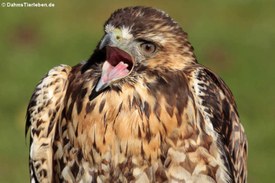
118 65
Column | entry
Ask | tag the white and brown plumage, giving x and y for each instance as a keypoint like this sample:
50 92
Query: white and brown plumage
141 109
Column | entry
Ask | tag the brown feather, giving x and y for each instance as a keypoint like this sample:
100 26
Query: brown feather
169 120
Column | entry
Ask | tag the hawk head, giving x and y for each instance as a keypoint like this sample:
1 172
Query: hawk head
138 39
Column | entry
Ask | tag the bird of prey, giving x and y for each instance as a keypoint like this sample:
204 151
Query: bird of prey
140 109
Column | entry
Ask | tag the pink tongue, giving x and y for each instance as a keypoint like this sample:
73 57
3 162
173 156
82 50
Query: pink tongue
110 72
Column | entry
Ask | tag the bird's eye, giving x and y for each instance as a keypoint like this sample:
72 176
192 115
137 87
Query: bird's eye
148 48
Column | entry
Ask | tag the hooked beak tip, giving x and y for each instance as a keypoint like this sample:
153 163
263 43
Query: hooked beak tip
100 85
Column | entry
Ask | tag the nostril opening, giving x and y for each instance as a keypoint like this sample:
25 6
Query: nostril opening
118 37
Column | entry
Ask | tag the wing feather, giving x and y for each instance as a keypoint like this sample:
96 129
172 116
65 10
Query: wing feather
43 114
216 103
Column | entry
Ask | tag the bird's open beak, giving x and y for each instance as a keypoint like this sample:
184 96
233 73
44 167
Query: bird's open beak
118 64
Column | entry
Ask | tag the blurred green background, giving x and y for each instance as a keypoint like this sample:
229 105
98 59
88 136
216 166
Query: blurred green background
235 38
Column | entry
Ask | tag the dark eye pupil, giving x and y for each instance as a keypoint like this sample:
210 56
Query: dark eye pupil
150 48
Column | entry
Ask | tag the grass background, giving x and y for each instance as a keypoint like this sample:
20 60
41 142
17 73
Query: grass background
235 38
